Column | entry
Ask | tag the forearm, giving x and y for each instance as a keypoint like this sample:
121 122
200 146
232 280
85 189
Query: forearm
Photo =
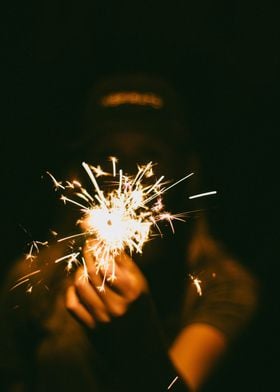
196 351
134 349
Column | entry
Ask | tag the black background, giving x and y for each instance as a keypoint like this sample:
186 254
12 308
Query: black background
223 57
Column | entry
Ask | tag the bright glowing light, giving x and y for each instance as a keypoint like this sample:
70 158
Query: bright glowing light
122 218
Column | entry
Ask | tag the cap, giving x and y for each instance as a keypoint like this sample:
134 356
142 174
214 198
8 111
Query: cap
136 117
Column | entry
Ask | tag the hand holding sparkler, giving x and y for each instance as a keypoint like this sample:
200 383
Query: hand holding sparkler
93 300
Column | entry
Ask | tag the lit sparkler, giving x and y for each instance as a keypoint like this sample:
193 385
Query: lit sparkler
121 219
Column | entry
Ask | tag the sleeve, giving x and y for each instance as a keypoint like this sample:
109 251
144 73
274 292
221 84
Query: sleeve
228 297
134 351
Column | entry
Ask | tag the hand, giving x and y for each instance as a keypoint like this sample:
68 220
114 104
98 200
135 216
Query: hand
90 305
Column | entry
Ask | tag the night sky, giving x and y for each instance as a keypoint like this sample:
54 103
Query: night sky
222 57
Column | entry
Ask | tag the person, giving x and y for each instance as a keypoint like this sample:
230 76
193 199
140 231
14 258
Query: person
151 329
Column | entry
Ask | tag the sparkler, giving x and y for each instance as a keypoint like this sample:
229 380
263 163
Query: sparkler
121 219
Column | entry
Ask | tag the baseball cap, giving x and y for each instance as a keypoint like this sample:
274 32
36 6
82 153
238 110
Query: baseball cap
136 117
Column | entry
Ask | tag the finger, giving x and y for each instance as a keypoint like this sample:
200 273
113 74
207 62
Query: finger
74 306
90 260
122 276
128 284
105 277
89 297
91 271
115 303
119 282
122 259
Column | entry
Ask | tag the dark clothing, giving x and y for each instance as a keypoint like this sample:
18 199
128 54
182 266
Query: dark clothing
46 349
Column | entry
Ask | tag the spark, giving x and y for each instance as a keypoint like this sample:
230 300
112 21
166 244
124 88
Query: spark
24 279
70 185
197 283
177 182
120 219
65 199
71 236
29 289
203 194
29 275
57 184
77 183
172 383
19 284
114 161
34 249
71 257
85 274
99 171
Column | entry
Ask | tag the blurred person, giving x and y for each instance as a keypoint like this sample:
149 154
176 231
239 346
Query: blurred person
150 330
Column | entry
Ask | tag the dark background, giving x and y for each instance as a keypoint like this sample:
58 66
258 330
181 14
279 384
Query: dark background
223 57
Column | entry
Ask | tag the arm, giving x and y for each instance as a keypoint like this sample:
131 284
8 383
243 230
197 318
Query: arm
215 318
129 322
195 351
124 328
